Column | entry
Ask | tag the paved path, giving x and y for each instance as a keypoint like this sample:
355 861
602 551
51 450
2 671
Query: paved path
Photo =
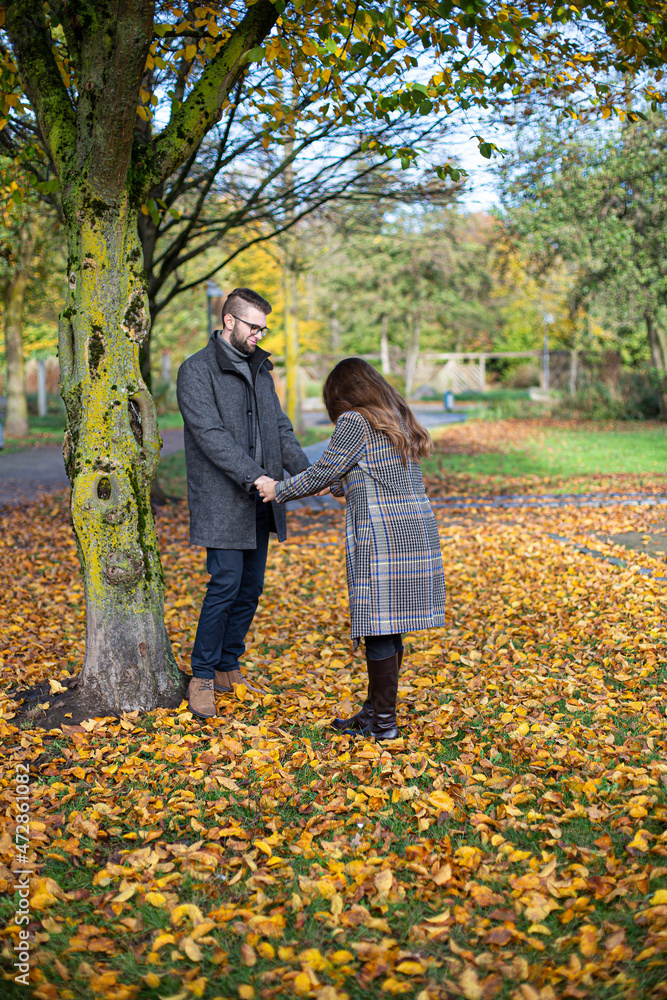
25 475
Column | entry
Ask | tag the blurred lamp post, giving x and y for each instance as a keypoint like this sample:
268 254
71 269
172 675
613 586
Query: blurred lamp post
548 320
213 291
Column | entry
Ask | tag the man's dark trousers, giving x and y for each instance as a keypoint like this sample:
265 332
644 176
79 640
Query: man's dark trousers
232 595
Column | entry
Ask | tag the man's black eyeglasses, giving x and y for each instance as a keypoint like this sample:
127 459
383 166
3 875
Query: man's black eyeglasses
256 331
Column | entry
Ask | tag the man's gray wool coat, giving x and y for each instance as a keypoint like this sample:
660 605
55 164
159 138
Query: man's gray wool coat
218 413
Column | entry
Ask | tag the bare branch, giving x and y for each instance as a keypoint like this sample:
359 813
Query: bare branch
202 107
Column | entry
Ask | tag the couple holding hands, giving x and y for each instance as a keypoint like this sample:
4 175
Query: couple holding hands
238 443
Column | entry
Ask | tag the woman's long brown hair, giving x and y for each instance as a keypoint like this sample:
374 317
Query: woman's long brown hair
355 385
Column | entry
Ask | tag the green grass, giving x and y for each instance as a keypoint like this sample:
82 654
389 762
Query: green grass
491 395
44 431
172 420
49 430
312 435
559 452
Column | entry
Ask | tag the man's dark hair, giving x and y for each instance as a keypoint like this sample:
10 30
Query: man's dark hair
239 295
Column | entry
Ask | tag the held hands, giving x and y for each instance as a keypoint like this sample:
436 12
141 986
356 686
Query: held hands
266 488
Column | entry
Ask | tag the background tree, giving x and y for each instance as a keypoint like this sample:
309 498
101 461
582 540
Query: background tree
17 248
599 203
28 248
422 276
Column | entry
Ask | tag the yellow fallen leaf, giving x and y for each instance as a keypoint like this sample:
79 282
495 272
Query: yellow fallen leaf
341 957
393 985
588 942
470 984
639 842
302 982
162 939
441 801
189 910
191 949
56 686
156 899
409 968
443 874
200 930
126 894
383 880
102 982
42 900
313 959
659 898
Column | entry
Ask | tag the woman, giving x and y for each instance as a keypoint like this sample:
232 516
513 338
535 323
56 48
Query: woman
394 564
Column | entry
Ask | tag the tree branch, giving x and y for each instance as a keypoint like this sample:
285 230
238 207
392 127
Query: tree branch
202 107
32 46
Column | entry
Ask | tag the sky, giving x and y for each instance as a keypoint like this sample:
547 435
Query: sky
481 193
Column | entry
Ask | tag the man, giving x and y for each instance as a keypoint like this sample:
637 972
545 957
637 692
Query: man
235 433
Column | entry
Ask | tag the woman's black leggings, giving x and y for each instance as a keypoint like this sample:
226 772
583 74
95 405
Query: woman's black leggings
379 647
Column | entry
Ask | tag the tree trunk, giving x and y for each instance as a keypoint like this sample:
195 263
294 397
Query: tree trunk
335 334
412 357
293 401
16 417
656 339
112 449
574 364
384 347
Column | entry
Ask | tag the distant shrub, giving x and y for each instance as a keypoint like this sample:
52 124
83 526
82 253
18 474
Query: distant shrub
510 409
632 396
523 376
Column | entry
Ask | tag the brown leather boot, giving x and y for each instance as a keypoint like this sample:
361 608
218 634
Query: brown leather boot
226 679
200 697
383 676
362 721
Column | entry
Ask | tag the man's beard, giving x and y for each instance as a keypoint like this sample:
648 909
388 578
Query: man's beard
237 341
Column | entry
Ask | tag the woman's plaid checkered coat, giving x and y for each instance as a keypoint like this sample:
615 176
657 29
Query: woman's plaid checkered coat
394 564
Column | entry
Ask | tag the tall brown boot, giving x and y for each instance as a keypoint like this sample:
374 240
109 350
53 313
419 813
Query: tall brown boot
362 721
383 676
